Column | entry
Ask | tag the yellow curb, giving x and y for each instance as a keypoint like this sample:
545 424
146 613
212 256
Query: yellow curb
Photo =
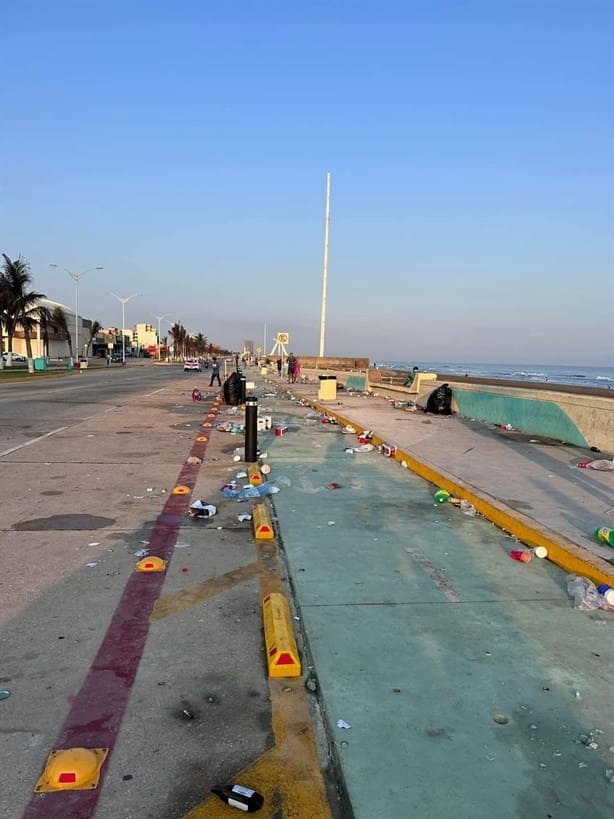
571 557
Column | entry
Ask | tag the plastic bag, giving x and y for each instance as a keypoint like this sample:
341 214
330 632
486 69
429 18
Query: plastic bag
584 592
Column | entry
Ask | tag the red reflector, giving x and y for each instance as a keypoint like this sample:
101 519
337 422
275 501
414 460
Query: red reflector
67 777
285 659
265 528
149 566
272 651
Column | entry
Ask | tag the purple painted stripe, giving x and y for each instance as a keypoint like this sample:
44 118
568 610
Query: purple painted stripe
98 709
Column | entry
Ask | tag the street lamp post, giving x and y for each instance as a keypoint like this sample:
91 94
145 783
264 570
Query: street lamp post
159 320
76 277
123 301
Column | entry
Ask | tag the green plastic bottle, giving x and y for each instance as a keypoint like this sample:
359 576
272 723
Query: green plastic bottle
441 496
605 535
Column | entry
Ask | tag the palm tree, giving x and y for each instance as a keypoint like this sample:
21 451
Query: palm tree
22 308
45 321
4 309
58 317
94 330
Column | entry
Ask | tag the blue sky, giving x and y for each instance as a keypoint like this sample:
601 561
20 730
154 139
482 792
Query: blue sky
184 146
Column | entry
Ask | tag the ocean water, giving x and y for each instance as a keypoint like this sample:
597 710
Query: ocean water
600 377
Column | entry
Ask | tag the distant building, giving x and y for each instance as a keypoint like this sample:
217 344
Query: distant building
145 339
248 348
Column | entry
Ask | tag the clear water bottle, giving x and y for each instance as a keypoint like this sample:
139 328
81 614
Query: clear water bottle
237 796
605 535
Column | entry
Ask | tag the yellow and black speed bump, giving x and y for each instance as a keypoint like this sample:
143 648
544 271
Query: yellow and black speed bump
281 650
72 769
261 519
254 474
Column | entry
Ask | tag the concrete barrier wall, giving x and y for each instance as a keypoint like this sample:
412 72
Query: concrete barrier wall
575 418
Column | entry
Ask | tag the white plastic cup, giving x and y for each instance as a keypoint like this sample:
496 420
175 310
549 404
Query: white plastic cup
540 551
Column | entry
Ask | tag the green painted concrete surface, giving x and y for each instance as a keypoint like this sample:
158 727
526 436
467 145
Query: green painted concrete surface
395 593
533 416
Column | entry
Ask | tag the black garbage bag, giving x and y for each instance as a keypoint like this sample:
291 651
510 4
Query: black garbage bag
439 401
232 389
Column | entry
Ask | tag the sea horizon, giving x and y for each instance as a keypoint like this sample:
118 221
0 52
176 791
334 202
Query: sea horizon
595 376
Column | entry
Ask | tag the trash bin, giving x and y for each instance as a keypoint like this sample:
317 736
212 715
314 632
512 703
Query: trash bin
328 387
40 363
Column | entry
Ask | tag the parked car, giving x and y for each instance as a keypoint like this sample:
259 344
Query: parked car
16 357
191 365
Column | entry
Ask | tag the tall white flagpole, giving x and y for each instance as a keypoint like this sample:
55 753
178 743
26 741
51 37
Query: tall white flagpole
325 267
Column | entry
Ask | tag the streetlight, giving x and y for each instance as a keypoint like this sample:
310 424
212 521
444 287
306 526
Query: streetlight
123 301
76 277
159 320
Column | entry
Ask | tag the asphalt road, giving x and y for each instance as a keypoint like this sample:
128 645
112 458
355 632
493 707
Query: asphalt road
39 406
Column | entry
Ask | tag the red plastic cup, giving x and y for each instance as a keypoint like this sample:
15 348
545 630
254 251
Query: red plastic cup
523 557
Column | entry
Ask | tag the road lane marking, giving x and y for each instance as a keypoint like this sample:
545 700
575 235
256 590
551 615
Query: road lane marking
32 441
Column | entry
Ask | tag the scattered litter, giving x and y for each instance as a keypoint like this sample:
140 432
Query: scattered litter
91 565
500 719
193 459
94 543
331 522
200 509
298 619
582 765
341 723
243 517
605 535
187 714
404 464
334 485
4 694
241 474
585 594
250 491
520 555
265 469
348 430
184 569
141 553
182 545
146 542
600 465
150 488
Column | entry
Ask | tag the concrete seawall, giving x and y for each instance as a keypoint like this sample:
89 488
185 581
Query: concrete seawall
582 417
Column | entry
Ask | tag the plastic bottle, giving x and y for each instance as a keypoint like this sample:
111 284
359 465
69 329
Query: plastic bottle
441 496
607 592
605 535
237 796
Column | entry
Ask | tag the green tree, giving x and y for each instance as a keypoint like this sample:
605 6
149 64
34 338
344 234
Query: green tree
22 302
94 330
58 318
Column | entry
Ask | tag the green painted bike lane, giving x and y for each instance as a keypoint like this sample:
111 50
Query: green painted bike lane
422 631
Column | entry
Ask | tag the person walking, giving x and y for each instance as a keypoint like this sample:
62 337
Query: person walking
279 366
215 372
291 368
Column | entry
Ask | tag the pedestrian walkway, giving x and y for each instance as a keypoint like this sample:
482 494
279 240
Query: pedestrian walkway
447 688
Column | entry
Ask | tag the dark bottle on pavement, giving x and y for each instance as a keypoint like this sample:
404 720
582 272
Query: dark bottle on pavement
239 797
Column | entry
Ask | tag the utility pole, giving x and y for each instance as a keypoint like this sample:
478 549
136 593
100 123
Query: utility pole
325 267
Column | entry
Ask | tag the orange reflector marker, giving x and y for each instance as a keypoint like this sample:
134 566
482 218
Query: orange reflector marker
181 490
206 425
211 415
261 519
151 564
254 474
72 769
202 439
282 653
